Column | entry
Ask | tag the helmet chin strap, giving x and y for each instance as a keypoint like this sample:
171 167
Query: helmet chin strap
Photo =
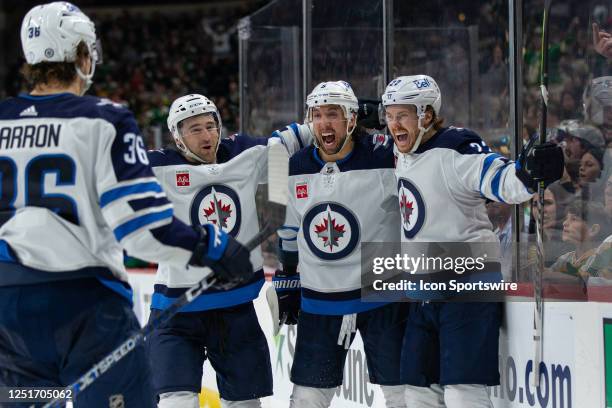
349 132
88 78
180 143
422 132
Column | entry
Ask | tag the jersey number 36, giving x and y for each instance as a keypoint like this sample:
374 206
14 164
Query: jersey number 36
34 185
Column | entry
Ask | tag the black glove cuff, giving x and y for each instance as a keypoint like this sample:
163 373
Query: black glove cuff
288 270
197 258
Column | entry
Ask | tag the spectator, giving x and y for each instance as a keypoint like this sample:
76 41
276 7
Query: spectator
495 89
600 264
584 227
591 165
577 139
569 107
602 41
556 200
597 102
500 215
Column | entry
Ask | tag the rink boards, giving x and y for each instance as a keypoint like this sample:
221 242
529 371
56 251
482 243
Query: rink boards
575 361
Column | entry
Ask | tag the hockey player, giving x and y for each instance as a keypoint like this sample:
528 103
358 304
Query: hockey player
213 180
342 193
76 188
450 351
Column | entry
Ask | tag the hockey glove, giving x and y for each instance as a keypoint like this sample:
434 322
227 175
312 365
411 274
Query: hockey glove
368 115
287 286
543 162
228 258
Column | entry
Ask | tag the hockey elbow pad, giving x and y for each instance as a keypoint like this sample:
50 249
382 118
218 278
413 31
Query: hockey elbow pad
295 136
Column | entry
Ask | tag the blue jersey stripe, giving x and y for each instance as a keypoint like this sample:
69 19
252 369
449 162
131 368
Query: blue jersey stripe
296 131
6 253
212 301
495 183
338 307
148 202
119 288
485 167
140 222
43 97
120 192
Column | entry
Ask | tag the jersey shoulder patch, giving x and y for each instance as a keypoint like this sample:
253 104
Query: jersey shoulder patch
380 140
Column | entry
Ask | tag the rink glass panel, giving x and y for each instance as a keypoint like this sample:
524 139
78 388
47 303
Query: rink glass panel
347 44
270 82
573 64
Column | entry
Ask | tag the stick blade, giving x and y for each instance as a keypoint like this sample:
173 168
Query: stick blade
273 207
278 185
278 174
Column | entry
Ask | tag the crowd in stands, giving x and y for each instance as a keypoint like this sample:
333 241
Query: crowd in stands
577 211
147 65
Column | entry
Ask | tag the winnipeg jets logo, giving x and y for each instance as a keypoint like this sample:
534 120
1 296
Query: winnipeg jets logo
331 230
411 206
219 205
217 212
406 208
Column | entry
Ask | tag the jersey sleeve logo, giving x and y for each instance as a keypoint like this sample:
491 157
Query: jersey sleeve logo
301 190
182 178
219 205
331 231
412 208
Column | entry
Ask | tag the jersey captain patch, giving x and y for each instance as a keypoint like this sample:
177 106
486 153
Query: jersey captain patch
331 231
412 208
217 204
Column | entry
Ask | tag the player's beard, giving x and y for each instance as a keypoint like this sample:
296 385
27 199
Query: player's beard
211 154
339 141
340 152
404 139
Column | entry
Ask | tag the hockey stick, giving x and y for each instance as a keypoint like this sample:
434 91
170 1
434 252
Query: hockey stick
538 336
278 171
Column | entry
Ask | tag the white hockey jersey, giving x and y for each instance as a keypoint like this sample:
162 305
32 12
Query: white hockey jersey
443 187
442 190
222 194
333 207
76 188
